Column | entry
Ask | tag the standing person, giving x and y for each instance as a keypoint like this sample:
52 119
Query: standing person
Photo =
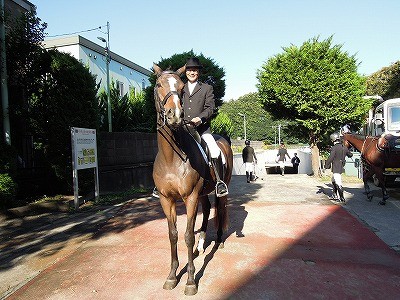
249 157
337 158
282 153
295 162
198 107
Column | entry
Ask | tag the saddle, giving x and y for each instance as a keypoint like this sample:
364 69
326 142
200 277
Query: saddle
205 151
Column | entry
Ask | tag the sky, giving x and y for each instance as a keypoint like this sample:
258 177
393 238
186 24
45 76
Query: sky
240 36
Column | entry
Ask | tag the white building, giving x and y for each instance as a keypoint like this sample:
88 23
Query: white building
126 74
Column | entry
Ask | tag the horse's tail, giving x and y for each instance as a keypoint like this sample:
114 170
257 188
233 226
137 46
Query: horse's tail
221 213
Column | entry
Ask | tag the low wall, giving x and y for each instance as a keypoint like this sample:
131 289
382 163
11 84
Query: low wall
267 158
125 160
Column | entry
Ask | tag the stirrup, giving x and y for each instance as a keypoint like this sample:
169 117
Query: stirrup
223 193
155 193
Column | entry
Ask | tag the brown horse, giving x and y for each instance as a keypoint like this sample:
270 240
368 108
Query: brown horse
377 154
181 172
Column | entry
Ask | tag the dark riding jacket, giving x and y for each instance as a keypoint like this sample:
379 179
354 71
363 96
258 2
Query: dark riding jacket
337 158
282 153
200 104
248 154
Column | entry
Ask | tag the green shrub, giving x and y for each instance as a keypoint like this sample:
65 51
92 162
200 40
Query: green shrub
8 189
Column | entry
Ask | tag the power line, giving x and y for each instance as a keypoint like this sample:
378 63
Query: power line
97 28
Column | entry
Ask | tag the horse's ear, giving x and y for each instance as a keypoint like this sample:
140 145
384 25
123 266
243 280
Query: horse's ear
157 70
181 70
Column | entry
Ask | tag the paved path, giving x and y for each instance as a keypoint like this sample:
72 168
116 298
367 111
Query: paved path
286 241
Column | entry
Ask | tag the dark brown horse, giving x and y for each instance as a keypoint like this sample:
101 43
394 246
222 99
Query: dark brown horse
377 154
181 172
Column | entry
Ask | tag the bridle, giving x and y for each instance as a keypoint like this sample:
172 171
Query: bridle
161 104
161 119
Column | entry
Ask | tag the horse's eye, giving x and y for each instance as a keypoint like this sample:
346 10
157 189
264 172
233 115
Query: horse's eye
158 85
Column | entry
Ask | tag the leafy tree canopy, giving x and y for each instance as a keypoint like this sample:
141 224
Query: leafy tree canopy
24 35
315 85
260 125
385 82
66 97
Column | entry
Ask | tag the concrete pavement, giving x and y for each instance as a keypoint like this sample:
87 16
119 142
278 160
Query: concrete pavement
286 240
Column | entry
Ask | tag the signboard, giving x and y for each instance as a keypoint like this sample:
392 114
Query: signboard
84 148
84 156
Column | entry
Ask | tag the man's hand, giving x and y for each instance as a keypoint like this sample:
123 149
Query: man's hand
196 121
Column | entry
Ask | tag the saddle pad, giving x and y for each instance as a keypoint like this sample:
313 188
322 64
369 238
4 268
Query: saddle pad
205 155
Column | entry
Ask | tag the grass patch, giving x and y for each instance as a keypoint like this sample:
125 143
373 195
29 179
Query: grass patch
120 197
104 200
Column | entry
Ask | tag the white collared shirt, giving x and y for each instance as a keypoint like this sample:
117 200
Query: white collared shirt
191 86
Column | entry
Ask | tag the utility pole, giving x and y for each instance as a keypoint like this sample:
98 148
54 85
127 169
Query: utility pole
244 124
3 76
108 60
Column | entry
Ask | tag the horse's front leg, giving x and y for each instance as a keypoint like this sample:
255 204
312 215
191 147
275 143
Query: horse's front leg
191 212
367 175
169 208
206 207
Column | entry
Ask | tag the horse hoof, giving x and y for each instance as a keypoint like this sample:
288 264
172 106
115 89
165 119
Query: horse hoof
369 198
382 202
190 290
170 284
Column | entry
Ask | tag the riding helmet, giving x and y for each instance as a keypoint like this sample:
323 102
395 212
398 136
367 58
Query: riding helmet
247 143
335 137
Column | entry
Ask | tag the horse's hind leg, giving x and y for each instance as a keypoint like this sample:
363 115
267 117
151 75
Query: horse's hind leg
385 194
170 213
206 206
379 175
367 175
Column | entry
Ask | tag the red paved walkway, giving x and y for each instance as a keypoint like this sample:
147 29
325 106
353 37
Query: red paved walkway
288 251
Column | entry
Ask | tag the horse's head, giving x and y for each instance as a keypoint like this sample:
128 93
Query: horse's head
346 142
167 95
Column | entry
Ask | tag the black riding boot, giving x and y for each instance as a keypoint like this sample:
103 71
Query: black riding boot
251 176
248 178
221 188
334 191
341 196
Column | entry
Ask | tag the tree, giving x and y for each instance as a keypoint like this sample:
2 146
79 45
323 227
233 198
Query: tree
211 73
66 97
24 53
385 82
260 125
315 85
222 125
121 110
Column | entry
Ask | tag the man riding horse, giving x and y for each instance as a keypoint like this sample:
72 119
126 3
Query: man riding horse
180 170
198 107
